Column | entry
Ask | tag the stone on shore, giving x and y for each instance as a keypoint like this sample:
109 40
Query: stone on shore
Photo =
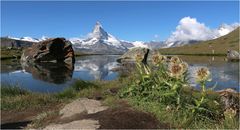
79 106
79 124
130 55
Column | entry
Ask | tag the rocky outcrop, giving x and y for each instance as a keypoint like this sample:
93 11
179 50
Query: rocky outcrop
51 50
77 107
81 105
13 43
230 99
233 55
131 54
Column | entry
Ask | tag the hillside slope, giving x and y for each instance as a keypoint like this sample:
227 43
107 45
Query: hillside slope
217 46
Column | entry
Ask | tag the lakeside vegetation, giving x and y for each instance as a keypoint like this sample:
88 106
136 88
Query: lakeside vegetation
160 89
10 53
13 97
163 90
215 47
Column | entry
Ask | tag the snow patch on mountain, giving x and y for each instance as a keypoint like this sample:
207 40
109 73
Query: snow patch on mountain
29 39
140 44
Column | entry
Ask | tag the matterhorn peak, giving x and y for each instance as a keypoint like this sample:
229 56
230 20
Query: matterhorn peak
98 24
98 31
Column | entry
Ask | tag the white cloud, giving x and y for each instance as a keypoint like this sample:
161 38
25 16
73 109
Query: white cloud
156 36
225 29
190 29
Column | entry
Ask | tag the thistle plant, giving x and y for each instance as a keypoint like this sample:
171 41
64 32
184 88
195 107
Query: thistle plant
175 60
177 70
202 76
158 59
164 84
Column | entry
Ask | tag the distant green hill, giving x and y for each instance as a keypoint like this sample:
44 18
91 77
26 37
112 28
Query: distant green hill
219 45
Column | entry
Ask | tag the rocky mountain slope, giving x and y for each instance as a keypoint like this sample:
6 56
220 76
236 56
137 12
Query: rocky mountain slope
9 42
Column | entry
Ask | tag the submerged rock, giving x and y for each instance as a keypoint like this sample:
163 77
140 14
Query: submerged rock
51 50
131 54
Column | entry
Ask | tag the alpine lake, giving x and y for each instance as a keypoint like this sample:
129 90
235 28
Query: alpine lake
48 78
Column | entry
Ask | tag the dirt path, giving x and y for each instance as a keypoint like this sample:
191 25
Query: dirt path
17 119
90 114
86 113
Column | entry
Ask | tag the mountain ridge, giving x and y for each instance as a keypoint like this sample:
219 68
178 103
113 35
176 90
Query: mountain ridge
110 44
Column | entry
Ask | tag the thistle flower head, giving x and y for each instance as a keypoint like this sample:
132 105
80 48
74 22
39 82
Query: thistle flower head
158 59
203 74
139 57
185 66
175 60
176 70
230 113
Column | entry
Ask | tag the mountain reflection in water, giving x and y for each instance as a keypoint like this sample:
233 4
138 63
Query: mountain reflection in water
95 67
55 77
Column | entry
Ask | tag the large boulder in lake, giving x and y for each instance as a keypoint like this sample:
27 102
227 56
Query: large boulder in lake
233 55
51 50
131 54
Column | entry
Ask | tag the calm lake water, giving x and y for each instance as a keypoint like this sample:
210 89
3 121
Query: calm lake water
224 74
50 78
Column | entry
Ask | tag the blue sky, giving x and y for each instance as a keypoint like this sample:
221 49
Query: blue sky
131 21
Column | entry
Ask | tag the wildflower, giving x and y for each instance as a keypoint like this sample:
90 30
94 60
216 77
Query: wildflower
230 113
158 59
175 60
176 70
139 57
168 108
202 75
185 66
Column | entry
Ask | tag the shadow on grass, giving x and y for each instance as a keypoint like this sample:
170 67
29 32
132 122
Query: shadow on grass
15 125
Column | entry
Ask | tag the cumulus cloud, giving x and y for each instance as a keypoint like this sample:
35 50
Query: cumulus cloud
190 29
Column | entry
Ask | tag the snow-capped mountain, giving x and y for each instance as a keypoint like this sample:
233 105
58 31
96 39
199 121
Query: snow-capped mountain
140 44
99 42
155 44
29 39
